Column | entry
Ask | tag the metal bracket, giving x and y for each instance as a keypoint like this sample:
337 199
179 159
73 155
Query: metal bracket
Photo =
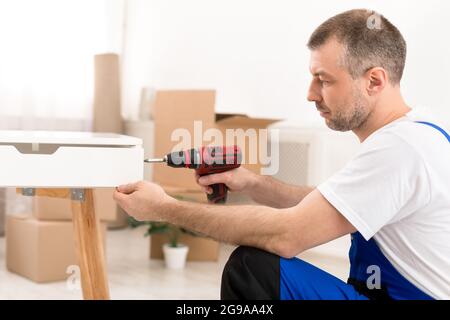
29 192
77 194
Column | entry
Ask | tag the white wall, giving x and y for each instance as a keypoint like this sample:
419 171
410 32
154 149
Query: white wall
253 51
46 60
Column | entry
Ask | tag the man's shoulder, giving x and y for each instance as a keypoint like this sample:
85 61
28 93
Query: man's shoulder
423 133
396 142
409 128
393 134
409 141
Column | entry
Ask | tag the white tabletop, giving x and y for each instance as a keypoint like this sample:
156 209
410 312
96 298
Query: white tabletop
67 138
57 159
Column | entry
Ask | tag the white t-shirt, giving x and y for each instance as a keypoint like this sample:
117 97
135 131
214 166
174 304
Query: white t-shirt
397 190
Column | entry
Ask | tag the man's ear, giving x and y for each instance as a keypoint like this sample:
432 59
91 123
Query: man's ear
377 79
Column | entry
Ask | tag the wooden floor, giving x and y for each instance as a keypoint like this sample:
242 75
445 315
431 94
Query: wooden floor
132 275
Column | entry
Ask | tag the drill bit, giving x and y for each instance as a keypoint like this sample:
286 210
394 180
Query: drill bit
156 160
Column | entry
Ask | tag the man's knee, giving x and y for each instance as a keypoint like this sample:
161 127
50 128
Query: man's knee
245 257
251 273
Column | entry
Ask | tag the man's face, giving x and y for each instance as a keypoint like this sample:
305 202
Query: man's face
340 99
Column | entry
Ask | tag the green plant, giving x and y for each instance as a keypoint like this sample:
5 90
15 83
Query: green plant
173 232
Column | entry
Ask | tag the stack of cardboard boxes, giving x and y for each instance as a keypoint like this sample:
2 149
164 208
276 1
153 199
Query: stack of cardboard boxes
181 120
41 246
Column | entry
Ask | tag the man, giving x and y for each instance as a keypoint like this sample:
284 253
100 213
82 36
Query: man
393 197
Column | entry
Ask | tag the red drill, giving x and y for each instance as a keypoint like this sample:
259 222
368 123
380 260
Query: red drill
206 160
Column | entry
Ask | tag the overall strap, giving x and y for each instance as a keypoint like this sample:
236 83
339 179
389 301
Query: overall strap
366 257
437 128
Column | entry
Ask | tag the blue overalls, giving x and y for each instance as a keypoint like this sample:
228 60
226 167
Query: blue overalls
300 280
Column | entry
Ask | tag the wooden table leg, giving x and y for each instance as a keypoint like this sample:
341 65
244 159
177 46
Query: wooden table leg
89 246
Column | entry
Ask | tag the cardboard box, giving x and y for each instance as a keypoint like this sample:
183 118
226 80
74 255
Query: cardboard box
245 123
41 250
49 208
106 106
121 220
180 109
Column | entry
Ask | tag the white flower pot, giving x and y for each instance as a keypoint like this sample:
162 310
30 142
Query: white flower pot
175 257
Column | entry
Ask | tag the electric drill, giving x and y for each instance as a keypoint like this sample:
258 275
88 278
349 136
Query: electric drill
206 160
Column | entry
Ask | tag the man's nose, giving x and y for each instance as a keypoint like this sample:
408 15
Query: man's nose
313 94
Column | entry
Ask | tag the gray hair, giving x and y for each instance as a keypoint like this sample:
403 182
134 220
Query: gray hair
369 40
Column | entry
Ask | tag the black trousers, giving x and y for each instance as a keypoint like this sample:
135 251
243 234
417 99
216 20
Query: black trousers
251 274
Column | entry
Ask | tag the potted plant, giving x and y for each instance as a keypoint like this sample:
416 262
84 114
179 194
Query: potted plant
175 253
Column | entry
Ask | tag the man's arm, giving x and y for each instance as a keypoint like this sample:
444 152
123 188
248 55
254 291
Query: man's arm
262 189
274 193
285 232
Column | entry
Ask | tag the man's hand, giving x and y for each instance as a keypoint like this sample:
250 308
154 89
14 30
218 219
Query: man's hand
143 200
262 189
238 180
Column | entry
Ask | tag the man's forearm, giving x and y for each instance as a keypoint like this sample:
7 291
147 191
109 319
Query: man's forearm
274 193
232 224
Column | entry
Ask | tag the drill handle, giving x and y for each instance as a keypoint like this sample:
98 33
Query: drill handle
216 160
219 194
219 190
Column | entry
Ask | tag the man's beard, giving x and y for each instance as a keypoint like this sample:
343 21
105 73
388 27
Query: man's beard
345 119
